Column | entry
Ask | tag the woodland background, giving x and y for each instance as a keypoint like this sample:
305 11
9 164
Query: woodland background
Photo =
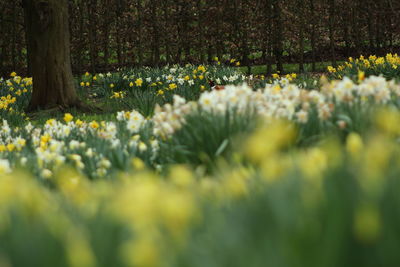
109 34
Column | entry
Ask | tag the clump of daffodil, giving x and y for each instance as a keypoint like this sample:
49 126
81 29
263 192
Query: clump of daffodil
362 67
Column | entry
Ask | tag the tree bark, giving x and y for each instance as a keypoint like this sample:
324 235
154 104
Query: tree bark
244 46
139 26
14 39
331 27
167 26
156 35
200 30
346 30
78 60
92 34
2 42
278 35
301 15
48 41
312 35
119 37
370 30
106 32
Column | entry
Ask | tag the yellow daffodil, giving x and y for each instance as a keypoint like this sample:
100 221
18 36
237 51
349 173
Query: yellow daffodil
139 82
68 117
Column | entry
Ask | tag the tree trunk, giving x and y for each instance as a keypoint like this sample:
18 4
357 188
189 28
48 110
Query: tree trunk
268 36
1 58
138 39
186 17
107 21
220 32
370 32
278 35
2 42
14 39
156 36
200 30
378 26
4 57
48 36
356 28
79 59
331 31
312 37
119 37
270 59
301 35
92 34
346 34
209 52
165 36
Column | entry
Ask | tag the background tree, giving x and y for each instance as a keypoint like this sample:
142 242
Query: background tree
47 33
109 34
331 28
278 33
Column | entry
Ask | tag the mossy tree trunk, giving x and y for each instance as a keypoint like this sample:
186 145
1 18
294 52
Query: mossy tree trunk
48 43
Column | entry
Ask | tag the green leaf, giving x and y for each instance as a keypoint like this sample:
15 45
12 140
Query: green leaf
222 147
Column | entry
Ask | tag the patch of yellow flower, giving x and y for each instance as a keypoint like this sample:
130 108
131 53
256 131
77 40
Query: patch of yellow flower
390 62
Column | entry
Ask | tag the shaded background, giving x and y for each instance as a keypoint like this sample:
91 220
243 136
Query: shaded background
107 34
